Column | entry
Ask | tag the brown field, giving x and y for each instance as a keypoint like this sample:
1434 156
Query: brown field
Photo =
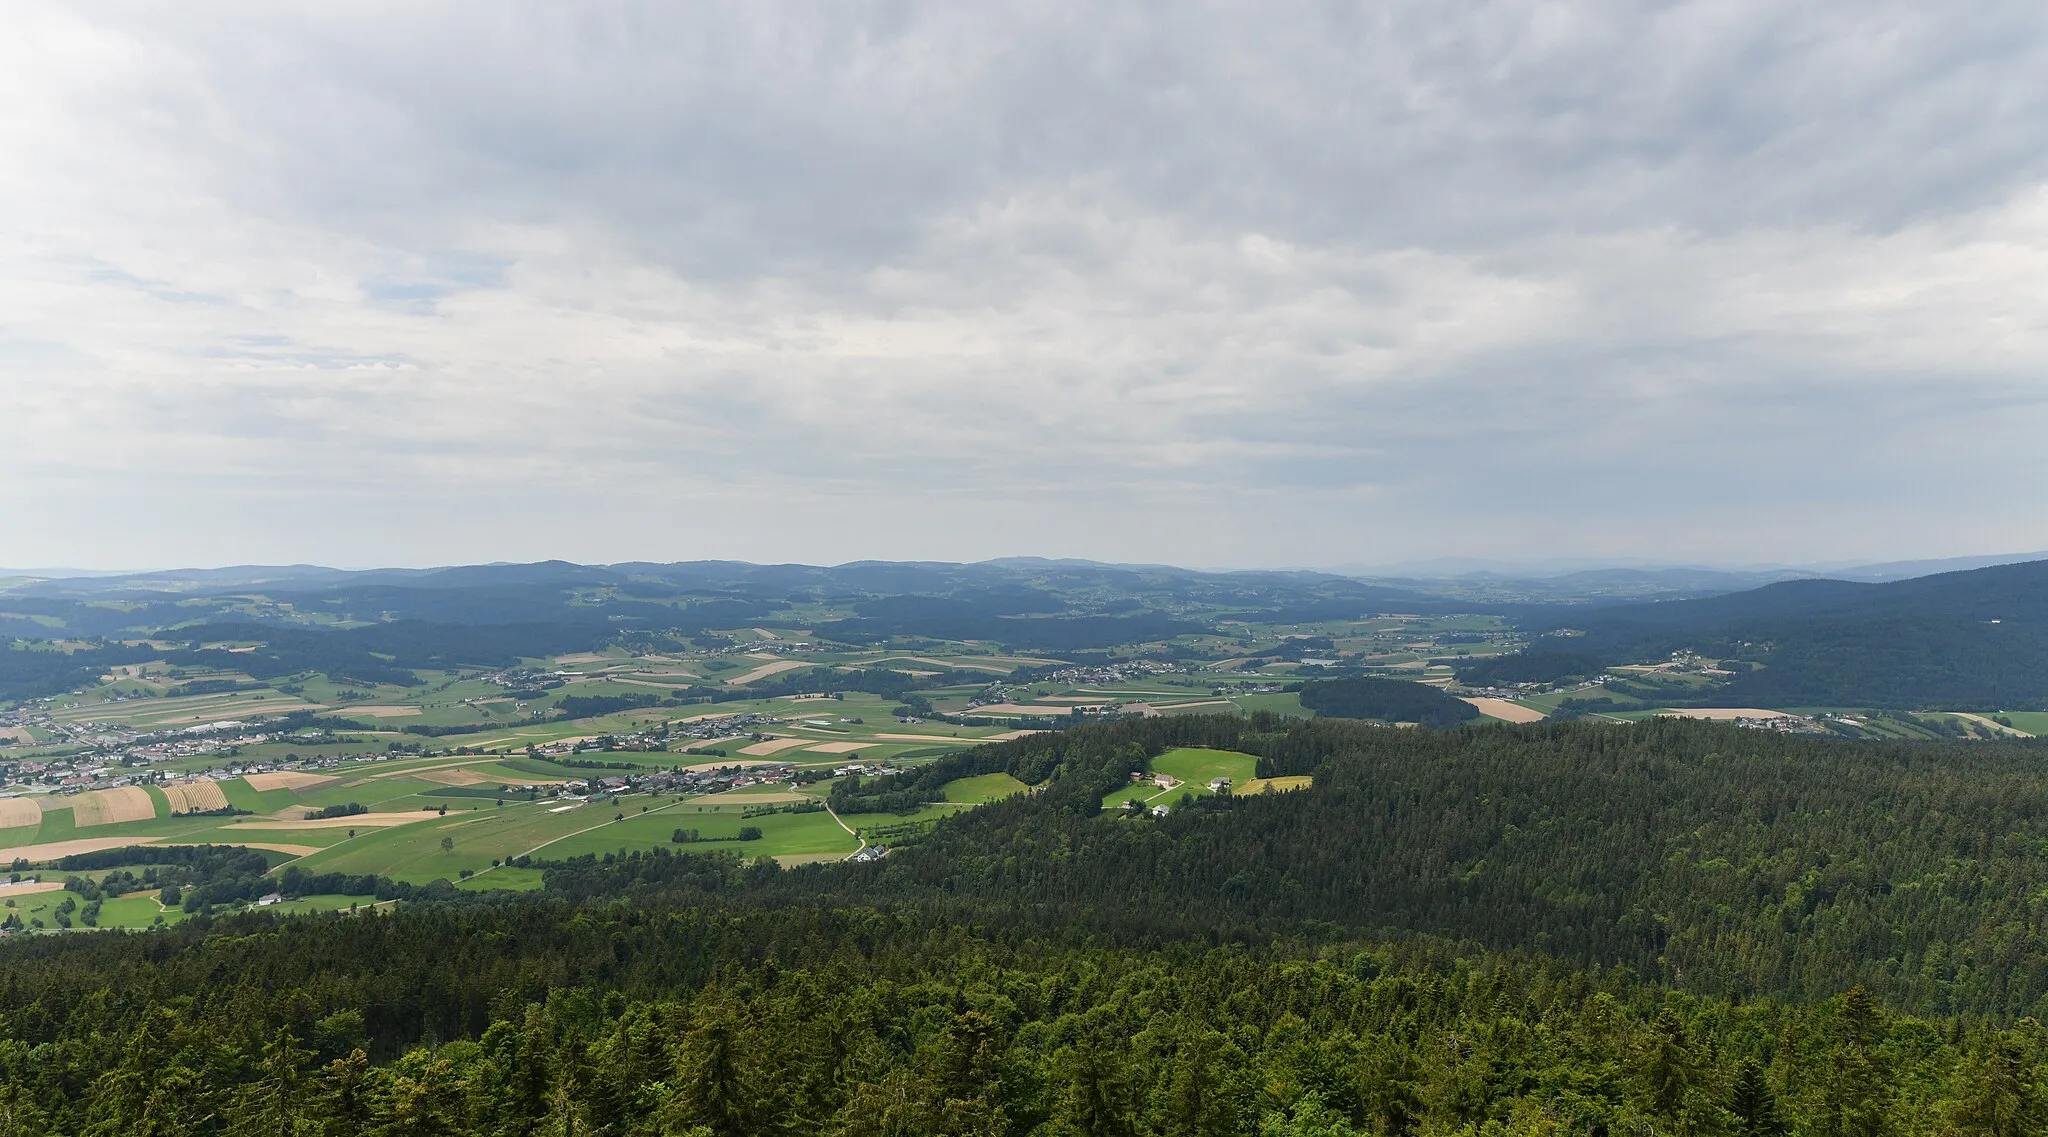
27 887
764 671
773 745
1506 711
360 820
383 712
838 747
1007 735
1016 709
288 780
582 657
50 851
16 812
19 734
195 797
1724 713
109 807
454 776
766 634
1202 703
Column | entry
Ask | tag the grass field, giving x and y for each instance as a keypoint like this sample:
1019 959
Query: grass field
984 788
2033 722
1286 703
1197 767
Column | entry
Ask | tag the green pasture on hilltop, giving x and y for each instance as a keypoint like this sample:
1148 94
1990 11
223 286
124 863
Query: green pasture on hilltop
1197 767
983 788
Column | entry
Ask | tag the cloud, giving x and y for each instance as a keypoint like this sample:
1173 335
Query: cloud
1207 283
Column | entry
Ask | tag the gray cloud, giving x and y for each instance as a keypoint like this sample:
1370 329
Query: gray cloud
1210 283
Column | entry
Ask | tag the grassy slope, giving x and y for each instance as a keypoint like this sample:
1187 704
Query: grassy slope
984 788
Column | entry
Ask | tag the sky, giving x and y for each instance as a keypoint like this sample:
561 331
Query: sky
1240 285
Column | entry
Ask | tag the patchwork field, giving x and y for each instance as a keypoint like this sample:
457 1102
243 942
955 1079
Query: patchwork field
183 711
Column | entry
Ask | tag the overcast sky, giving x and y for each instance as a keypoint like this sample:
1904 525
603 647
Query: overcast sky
1223 285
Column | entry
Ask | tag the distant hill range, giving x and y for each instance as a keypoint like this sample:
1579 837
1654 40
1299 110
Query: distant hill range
1971 640
1961 640
1026 603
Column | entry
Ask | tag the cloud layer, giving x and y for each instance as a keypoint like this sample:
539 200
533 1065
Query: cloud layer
1274 284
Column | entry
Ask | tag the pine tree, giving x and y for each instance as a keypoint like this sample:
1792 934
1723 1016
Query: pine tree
2000 1094
273 1105
1753 1105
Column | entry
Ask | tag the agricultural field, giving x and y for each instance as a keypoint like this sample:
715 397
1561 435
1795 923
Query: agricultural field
394 759
458 818
2033 722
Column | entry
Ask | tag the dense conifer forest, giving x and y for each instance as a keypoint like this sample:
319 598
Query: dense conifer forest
1661 928
1389 700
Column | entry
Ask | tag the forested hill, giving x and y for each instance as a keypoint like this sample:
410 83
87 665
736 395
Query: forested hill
1732 861
1660 928
1975 640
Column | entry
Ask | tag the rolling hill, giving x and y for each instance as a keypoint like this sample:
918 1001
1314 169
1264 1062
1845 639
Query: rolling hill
1972 640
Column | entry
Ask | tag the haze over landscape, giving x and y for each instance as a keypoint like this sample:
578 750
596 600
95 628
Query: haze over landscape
929 570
